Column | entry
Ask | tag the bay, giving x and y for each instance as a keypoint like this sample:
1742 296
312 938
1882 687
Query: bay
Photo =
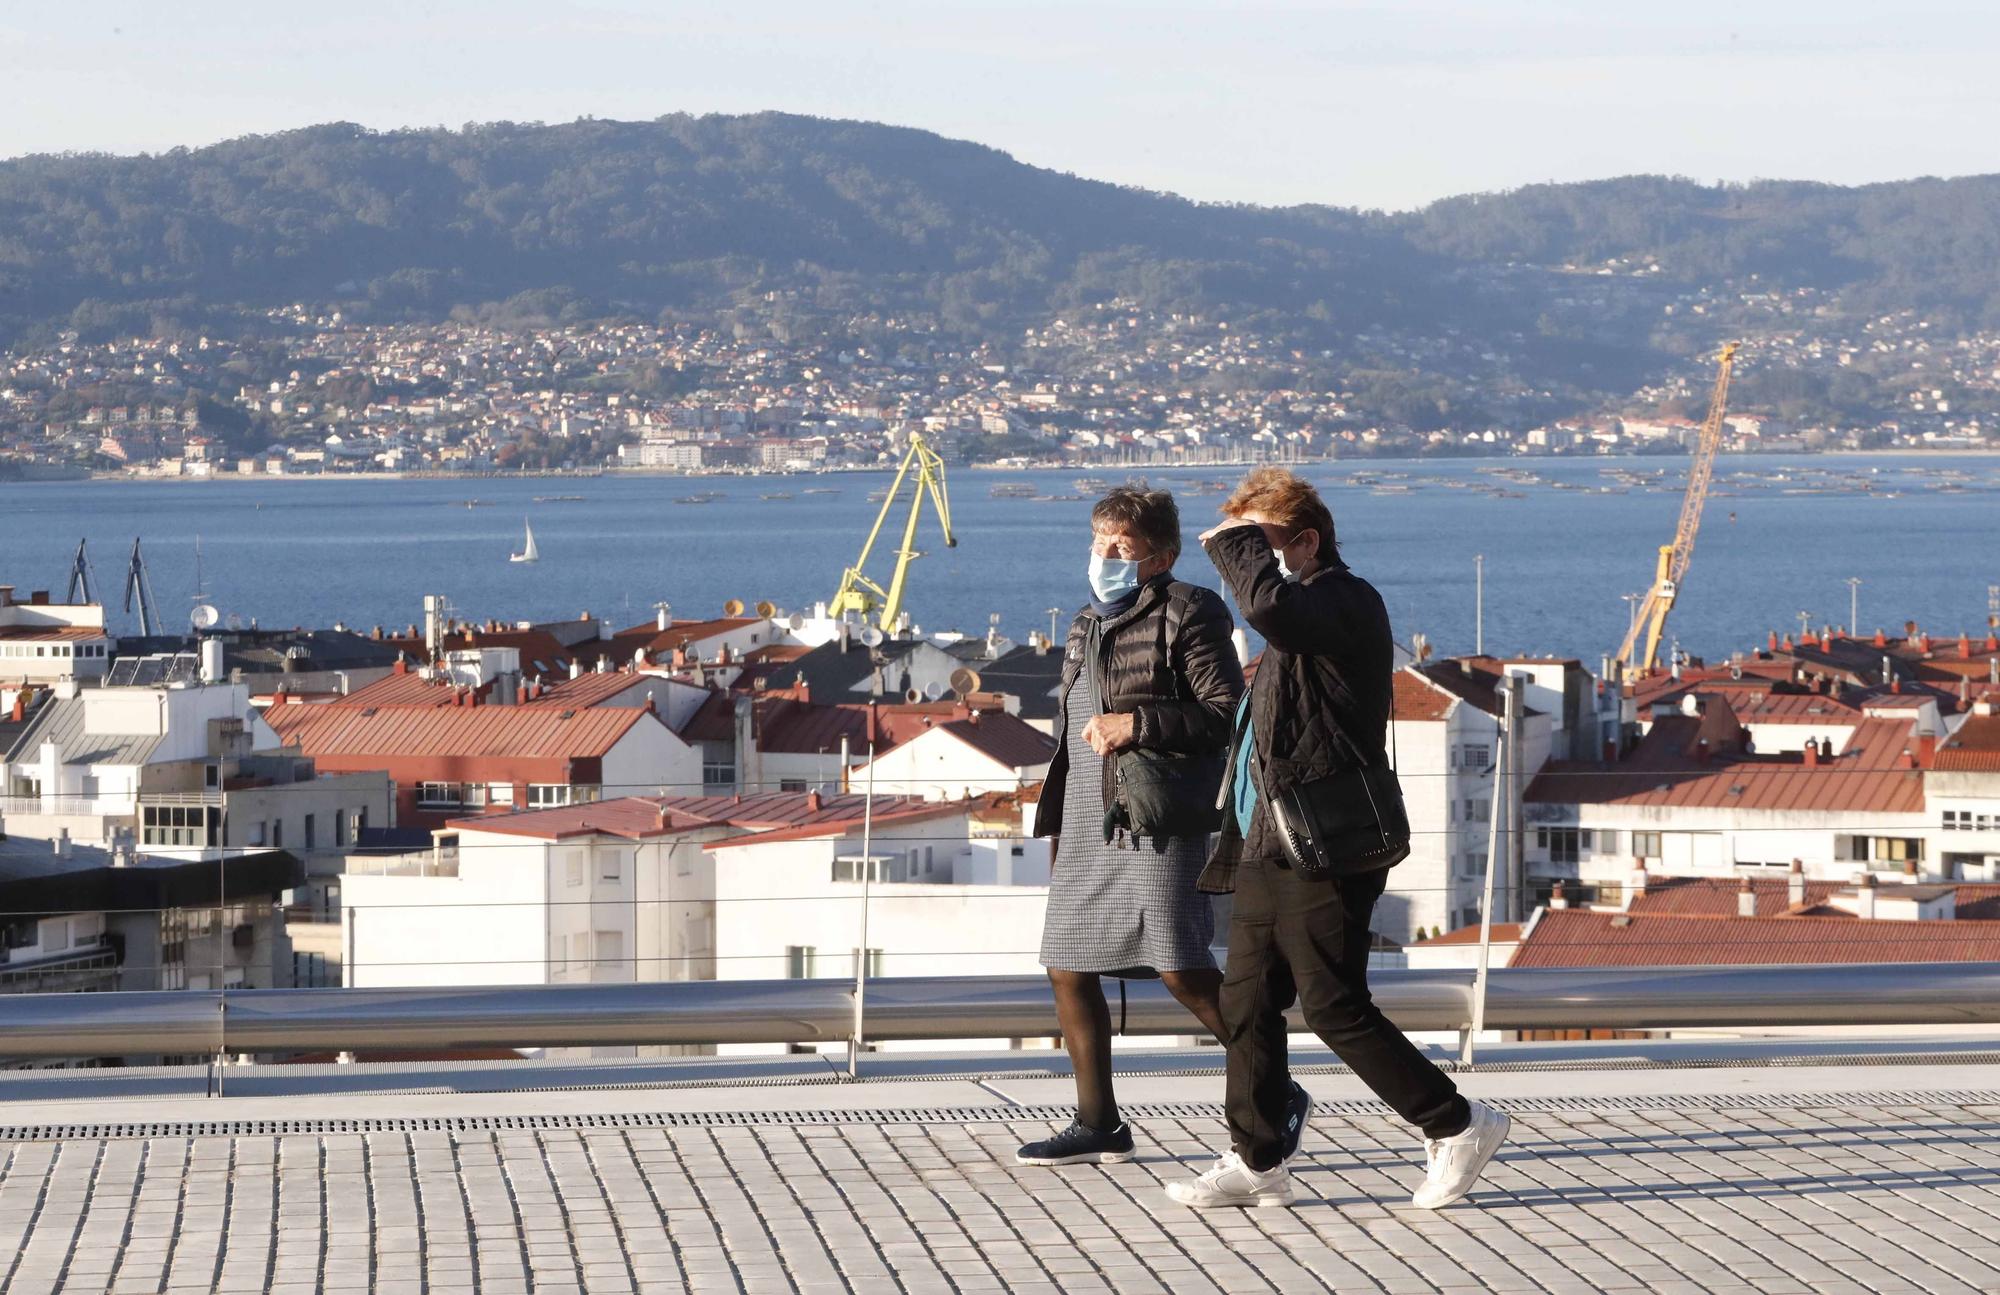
1921 532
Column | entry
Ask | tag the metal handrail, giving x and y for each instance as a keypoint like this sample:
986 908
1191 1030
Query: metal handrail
911 1008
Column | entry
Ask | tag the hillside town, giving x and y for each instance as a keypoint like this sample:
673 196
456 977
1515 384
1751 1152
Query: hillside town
315 393
482 801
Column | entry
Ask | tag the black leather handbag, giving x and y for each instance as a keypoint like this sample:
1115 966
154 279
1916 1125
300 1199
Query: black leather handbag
1344 824
1347 823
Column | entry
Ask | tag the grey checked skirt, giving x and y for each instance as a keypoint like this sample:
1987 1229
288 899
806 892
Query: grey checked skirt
1127 906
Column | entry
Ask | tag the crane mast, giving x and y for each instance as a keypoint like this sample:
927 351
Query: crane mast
1650 624
924 470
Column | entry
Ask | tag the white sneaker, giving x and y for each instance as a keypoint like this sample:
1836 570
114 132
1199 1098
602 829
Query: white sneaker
1231 1182
1455 1162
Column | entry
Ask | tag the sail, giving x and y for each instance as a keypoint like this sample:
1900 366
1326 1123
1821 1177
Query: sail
528 553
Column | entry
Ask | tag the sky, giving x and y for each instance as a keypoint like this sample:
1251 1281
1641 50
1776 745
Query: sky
1387 105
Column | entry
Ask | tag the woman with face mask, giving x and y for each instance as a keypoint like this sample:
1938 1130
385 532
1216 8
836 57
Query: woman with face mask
1315 723
1150 681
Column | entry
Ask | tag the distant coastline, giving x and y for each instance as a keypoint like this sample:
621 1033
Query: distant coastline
44 477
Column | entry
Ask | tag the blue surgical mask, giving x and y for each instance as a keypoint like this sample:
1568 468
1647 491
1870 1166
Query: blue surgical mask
1112 578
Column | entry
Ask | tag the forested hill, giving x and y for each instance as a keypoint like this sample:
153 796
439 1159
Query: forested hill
608 216
815 218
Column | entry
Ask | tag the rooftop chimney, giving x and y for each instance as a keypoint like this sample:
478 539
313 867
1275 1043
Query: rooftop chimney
575 668
1880 640
1913 871
1795 884
1746 899
1556 897
813 802
663 619
61 843
1811 753
1864 905
1635 886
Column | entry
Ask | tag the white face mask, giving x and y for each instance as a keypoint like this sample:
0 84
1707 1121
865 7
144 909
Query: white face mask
1112 578
1284 570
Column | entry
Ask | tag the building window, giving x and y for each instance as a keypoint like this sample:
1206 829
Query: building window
798 961
1478 811
1606 839
547 795
1563 843
1477 756
791 784
438 793
499 793
718 773
850 869
474 795
610 865
310 833
179 825
211 776
339 828
1896 849
573 868
610 946
1645 845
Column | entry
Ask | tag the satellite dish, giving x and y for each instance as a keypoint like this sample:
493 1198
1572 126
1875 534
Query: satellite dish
767 609
734 607
204 616
964 681
872 636
912 696
933 690
795 622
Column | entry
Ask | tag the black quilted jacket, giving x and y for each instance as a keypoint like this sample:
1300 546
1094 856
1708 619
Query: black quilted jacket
1174 670
1320 701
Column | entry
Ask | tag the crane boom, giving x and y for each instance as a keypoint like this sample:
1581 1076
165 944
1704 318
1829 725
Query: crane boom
1650 624
859 593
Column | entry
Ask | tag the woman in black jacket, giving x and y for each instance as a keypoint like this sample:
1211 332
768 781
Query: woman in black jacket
1149 682
1320 704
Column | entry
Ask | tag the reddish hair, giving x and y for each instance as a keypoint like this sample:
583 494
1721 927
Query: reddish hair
1288 499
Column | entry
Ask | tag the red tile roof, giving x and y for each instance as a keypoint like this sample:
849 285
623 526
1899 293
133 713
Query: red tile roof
1975 748
1576 938
407 689
654 640
50 633
1869 776
1004 738
1716 896
842 815
1503 933
477 731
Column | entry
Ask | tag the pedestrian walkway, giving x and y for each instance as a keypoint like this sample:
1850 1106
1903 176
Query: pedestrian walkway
1814 1180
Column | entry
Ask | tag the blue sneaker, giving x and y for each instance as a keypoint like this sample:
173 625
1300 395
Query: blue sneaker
1079 1144
1298 1109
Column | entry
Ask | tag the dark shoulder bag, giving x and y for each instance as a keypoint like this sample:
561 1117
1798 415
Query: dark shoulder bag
1347 823
1160 794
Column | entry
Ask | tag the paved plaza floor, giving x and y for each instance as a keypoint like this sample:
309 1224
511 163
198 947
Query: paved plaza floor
1816 1180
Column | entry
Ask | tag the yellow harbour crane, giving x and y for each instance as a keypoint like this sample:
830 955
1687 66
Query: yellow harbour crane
924 470
1650 622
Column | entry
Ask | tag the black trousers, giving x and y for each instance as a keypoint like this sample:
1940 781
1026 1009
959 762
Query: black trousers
1309 940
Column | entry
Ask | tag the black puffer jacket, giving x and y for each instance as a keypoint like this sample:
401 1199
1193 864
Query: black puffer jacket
1168 662
1320 701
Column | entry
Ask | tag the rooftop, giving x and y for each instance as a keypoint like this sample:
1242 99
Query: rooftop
1642 1167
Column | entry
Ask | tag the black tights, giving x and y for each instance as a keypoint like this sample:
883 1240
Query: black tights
1085 1018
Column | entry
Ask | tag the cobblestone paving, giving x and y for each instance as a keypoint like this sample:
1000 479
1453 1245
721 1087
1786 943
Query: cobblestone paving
1796 1199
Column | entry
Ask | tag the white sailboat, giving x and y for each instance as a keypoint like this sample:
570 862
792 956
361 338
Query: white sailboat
528 553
